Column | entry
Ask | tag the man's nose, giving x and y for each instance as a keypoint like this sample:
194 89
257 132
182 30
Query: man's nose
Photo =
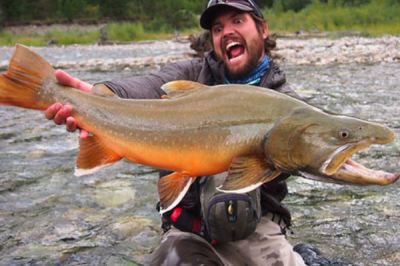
228 30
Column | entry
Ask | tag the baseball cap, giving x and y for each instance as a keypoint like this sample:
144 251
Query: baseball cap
213 5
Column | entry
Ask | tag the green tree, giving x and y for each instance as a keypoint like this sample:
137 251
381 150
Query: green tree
264 3
295 5
15 10
277 7
73 9
45 9
115 9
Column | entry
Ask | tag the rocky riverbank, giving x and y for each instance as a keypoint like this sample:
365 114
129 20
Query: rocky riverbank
289 51
346 50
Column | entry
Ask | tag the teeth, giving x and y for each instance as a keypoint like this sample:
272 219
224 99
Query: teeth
231 45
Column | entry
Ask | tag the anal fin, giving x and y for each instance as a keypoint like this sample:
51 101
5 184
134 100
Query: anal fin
93 156
172 188
248 173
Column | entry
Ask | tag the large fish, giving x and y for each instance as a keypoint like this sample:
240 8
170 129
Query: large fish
253 133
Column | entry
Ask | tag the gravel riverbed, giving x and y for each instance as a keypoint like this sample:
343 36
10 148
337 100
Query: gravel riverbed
289 52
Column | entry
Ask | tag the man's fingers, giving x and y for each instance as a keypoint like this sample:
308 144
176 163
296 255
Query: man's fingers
71 127
70 81
51 112
62 115
83 134
70 124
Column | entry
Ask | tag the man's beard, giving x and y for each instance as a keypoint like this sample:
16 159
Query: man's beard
253 60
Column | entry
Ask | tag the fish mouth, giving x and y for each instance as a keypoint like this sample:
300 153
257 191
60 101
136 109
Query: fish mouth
344 170
234 50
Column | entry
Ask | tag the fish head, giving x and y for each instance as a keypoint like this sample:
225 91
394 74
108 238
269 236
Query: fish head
317 145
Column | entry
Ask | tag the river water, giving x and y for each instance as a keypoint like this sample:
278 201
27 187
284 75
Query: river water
50 217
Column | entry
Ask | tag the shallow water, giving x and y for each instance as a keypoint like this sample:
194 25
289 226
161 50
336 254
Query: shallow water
50 217
358 224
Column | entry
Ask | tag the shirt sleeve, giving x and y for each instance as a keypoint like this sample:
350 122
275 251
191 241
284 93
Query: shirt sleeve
149 86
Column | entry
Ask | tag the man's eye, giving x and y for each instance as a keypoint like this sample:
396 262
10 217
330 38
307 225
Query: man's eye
217 29
238 21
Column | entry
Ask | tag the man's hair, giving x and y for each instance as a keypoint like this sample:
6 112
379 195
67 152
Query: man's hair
270 41
259 22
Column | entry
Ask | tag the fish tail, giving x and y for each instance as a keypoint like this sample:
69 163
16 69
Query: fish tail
27 82
172 188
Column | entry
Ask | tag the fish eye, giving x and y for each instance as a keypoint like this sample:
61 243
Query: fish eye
344 133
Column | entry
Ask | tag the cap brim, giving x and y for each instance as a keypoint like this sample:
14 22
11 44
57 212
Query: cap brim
207 17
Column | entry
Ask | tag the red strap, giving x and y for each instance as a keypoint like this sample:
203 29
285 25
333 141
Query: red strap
196 226
175 214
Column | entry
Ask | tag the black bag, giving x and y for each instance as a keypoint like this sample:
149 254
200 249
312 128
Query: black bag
229 216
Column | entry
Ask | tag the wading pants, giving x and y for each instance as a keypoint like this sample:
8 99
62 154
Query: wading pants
267 246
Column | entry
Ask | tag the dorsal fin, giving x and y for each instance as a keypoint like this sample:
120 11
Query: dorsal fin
103 90
181 88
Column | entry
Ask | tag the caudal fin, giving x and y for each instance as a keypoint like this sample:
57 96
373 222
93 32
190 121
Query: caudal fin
26 80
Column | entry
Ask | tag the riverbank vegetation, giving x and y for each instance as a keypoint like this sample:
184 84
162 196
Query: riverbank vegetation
371 18
132 20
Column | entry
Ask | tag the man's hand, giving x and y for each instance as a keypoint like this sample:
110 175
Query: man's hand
60 113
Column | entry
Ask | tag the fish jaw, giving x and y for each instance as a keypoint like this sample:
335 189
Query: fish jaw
318 146
343 170
340 156
354 173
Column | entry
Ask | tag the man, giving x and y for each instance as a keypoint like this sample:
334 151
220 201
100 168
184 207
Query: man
238 33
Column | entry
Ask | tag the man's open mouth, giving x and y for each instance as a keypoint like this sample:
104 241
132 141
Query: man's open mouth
234 51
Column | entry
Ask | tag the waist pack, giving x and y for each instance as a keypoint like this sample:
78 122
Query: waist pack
228 216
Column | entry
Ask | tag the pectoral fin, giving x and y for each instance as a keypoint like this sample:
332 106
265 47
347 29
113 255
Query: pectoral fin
172 188
248 173
93 156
